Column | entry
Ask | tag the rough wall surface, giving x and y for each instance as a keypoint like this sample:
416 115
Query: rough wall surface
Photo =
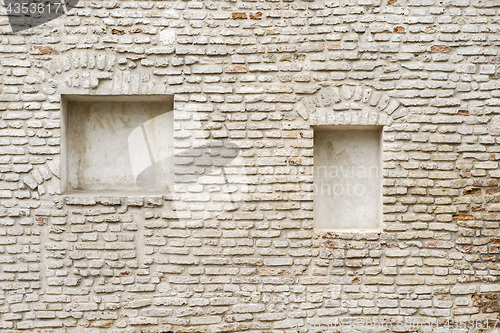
256 75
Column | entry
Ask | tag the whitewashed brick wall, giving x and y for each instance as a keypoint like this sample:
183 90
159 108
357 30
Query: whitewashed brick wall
258 74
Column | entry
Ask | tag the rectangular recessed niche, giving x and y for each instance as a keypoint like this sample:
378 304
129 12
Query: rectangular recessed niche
347 178
118 143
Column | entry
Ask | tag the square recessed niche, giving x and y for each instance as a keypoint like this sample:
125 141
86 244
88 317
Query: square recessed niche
118 143
347 178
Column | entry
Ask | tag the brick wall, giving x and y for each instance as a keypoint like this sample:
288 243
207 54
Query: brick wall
243 255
